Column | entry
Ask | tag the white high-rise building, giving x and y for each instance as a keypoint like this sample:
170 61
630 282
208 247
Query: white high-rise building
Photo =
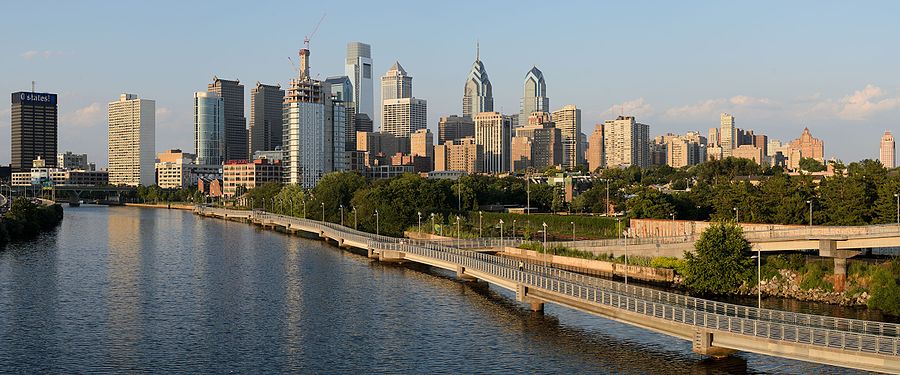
535 95
401 113
209 128
132 141
626 142
359 69
304 130
727 134
493 132
401 117
888 151
568 121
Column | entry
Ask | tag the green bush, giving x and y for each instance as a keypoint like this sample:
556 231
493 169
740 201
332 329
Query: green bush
885 289
26 220
679 265
814 278
721 261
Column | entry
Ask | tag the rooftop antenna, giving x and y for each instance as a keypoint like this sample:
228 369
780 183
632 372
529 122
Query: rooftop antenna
313 33
477 50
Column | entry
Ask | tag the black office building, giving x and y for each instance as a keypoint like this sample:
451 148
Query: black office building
34 129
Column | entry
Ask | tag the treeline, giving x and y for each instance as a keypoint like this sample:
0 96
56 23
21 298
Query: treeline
738 188
399 200
156 194
25 220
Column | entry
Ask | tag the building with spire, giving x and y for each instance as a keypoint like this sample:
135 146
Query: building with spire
535 95
888 151
477 95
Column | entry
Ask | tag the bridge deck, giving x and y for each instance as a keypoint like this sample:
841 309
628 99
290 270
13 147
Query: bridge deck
871 346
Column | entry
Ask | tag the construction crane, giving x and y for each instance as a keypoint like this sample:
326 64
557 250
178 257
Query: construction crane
313 33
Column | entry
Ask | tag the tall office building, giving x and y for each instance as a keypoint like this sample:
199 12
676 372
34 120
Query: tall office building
132 141
209 128
265 117
888 150
396 84
626 142
232 92
454 128
459 155
595 154
568 121
401 113
34 129
359 69
401 117
477 95
536 145
535 95
421 144
809 147
304 128
341 89
493 131
727 134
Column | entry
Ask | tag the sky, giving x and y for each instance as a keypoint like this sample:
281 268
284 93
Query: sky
778 66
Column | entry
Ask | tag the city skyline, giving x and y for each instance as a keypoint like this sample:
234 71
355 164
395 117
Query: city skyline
848 100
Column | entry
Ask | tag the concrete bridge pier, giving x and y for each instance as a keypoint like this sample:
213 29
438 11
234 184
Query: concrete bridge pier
461 273
828 248
703 345
536 305
371 254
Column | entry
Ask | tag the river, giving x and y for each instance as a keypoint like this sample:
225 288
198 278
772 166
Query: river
131 290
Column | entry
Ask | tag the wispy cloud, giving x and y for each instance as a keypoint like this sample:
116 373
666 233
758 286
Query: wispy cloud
33 54
706 108
859 105
637 108
85 117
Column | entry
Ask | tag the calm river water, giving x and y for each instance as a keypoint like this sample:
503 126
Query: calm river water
131 290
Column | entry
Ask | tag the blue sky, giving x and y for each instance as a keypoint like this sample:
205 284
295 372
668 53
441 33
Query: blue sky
777 66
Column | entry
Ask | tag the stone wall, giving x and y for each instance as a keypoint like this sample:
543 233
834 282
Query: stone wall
668 228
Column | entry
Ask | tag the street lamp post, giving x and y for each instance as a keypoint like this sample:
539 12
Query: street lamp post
419 214
432 223
625 233
342 215
323 212
809 202
545 238
514 229
737 215
377 224
527 191
758 278
480 227
354 219
501 232
673 216
458 233
573 233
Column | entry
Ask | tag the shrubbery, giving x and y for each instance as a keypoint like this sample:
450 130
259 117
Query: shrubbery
25 220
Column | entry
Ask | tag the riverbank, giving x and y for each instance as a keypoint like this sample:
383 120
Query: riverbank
171 206
25 220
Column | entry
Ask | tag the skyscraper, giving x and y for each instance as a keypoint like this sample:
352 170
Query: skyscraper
535 95
727 134
626 142
304 128
477 95
341 89
454 128
809 147
132 141
401 113
493 131
568 121
888 150
34 129
396 84
595 155
209 128
265 117
537 144
232 92
359 69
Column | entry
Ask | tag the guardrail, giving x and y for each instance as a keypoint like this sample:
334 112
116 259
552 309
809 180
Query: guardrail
824 331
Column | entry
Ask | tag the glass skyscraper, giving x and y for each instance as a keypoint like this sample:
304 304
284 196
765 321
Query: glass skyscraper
209 128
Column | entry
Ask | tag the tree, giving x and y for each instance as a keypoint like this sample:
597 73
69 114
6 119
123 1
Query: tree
843 201
649 203
811 165
721 260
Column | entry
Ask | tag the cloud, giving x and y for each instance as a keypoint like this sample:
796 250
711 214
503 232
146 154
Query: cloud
163 113
637 108
30 55
711 107
86 117
857 106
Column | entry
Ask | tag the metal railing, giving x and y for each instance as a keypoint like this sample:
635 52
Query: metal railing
842 333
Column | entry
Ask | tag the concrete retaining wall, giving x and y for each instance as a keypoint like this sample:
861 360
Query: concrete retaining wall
667 228
610 268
